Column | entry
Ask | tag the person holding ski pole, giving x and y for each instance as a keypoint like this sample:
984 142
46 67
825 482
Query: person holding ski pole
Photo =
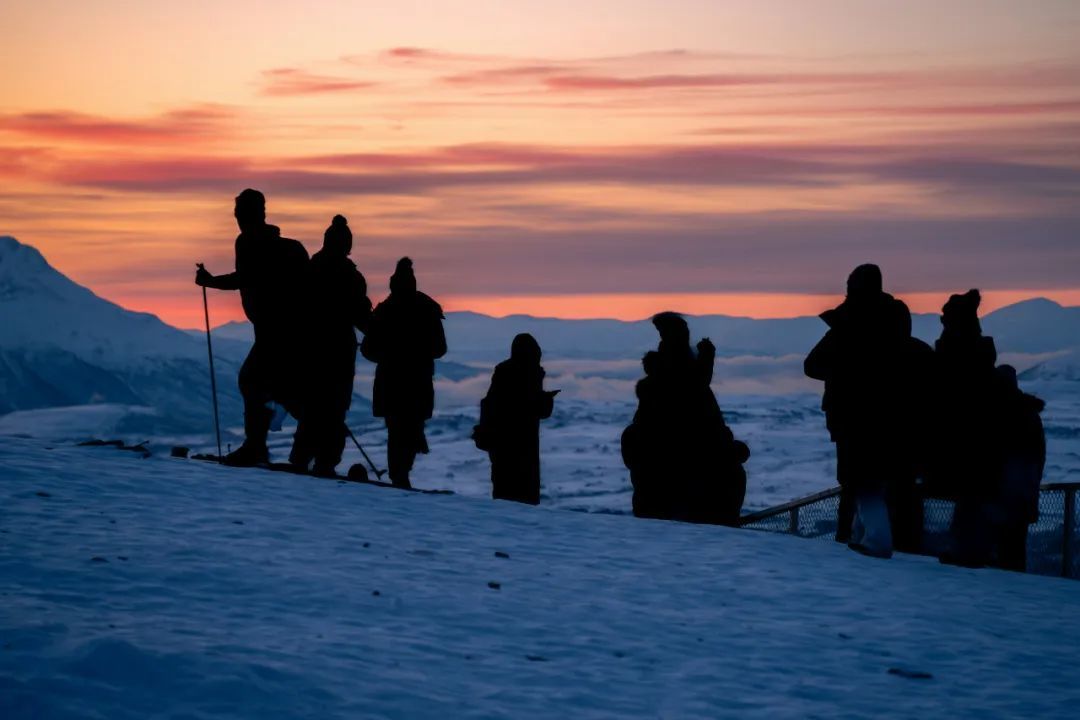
338 306
271 276
404 339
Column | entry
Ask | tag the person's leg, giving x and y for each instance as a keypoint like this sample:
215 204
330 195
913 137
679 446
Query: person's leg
255 390
845 510
872 534
970 533
1012 546
303 447
865 478
531 495
905 514
330 445
401 449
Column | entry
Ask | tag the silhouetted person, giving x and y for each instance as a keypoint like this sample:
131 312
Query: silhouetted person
1023 446
862 359
683 459
510 415
968 458
404 339
271 277
916 391
338 305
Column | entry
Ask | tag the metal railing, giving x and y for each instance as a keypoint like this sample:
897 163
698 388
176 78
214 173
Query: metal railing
1053 546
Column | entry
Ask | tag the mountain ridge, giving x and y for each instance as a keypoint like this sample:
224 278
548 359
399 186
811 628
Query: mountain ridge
62 343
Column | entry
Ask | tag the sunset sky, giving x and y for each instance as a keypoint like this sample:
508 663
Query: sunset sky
603 158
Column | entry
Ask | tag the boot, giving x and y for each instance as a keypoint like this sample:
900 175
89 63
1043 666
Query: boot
248 455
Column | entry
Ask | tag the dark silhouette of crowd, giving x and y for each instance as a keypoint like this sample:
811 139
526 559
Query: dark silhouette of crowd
908 421
911 422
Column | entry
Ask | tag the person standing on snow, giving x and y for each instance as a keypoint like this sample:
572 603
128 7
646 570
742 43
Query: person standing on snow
338 306
271 275
861 359
510 416
1024 456
969 453
404 339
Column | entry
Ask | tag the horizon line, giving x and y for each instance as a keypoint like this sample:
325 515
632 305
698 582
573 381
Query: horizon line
993 300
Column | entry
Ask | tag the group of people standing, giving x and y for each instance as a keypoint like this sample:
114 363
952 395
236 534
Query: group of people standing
305 313
908 420
901 412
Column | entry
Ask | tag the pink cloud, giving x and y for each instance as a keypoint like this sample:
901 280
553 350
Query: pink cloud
988 109
201 121
288 82
654 82
496 76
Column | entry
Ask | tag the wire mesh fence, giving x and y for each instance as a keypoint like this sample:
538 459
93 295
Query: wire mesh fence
1053 541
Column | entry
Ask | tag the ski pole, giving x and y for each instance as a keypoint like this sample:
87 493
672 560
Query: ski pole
213 378
378 473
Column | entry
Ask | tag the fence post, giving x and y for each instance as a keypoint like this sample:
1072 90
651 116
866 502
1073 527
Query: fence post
1067 530
793 521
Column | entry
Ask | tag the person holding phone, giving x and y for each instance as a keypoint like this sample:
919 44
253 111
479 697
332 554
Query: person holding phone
510 415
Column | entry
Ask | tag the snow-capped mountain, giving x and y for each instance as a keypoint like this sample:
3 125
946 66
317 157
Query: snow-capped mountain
42 308
60 345
1032 327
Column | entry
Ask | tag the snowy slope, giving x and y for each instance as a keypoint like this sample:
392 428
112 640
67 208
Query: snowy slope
62 345
43 308
165 588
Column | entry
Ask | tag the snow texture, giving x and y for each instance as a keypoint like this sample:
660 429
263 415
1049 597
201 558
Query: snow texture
165 588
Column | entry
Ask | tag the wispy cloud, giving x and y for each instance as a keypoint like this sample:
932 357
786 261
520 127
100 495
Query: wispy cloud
763 164
200 121
289 82
719 80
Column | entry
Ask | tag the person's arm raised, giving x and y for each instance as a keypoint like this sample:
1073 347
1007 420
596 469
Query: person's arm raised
229 281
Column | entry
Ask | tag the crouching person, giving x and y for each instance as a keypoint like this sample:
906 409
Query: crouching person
510 415
684 461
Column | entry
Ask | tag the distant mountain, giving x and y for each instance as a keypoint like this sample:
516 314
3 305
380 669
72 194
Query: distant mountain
1030 328
60 344
1034 326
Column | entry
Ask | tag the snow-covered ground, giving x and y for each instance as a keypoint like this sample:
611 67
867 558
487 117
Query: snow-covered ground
164 588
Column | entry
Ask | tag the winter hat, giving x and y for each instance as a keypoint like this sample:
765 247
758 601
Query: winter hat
338 237
524 348
403 280
672 327
960 313
1007 374
864 281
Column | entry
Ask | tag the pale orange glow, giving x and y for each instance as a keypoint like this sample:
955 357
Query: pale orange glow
752 305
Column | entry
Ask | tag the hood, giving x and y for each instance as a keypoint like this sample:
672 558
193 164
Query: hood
1032 403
